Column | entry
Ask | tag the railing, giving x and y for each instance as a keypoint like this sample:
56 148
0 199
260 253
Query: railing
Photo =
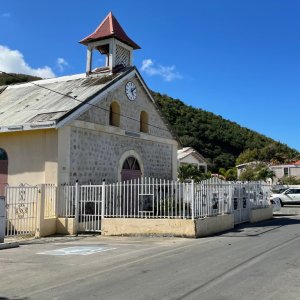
21 210
50 201
157 198
148 198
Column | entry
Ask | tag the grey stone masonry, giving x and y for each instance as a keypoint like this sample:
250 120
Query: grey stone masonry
95 156
130 111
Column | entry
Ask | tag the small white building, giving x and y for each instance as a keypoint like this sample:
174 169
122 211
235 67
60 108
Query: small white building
285 170
189 156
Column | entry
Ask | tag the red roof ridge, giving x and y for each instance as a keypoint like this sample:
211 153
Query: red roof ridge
110 27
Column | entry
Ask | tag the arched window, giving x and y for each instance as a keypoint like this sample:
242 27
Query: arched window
144 122
3 171
130 169
114 114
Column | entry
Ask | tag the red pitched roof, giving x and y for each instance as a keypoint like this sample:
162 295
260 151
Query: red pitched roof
110 27
297 162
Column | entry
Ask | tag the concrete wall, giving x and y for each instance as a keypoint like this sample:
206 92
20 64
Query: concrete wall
212 225
167 227
32 156
164 227
261 214
66 226
47 227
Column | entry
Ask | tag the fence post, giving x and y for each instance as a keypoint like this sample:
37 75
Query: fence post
76 202
40 211
103 200
193 200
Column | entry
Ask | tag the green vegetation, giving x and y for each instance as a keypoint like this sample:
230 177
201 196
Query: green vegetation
289 180
16 78
220 141
257 172
190 172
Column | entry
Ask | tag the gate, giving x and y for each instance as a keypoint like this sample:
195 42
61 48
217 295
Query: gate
21 210
84 203
89 208
241 204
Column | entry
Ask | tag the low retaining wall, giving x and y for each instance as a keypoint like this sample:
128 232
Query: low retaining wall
167 227
212 225
47 227
261 214
66 226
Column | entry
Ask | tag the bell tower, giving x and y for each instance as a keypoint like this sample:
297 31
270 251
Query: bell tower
110 40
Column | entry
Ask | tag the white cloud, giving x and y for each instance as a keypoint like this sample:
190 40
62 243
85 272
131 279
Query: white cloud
12 61
168 73
61 63
6 15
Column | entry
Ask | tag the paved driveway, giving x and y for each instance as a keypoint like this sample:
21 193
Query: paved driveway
256 262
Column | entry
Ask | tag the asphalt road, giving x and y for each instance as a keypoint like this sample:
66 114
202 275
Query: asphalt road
251 262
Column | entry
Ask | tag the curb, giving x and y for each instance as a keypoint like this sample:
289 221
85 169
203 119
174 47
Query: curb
9 245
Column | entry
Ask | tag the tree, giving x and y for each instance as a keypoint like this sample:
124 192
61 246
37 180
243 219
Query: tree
218 140
289 180
257 172
190 172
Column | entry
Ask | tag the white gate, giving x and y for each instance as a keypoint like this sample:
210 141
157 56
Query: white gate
89 208
241 204
84 203
21 210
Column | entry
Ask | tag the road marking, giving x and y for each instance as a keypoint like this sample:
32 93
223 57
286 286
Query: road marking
121 265
77 250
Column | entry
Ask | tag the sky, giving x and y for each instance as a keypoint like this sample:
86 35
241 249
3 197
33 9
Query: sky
239 59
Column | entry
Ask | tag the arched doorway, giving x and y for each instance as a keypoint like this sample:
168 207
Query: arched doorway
130 169
3 171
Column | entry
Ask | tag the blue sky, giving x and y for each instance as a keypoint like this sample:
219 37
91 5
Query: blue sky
236 58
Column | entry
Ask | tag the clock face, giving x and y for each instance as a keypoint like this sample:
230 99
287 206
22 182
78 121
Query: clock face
130 90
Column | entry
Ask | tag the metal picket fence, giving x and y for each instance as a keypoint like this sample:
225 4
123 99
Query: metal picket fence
21 210
157 198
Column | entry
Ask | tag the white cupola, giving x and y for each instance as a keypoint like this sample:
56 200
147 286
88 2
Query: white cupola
110 40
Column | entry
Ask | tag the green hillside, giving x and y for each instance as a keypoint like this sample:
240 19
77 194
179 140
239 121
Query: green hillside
221 141
16 78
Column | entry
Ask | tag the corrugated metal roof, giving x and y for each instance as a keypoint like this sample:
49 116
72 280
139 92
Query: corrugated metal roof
36 103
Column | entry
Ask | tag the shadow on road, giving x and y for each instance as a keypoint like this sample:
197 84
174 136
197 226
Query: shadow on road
4 298
248 230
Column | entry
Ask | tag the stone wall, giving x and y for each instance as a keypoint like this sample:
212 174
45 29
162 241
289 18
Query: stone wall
129 110
95 156
96 148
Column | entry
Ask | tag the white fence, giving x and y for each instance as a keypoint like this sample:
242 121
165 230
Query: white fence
21 210
50 199
154 198
142 198
83 202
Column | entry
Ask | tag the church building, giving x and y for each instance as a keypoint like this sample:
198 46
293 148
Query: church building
100 125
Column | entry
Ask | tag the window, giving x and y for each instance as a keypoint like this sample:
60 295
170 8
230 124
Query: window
285 171
114 114
131 163
144 122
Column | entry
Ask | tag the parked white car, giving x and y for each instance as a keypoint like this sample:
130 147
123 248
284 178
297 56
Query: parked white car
289 196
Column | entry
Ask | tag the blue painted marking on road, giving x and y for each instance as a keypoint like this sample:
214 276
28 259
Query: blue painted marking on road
77 250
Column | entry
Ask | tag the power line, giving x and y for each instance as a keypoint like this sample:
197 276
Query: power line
82 101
